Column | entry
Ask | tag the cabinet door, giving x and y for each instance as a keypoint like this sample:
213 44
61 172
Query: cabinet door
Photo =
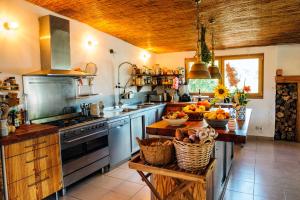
229 156
160 113
119 143
151 116
137 130
49 181
23 190
219 175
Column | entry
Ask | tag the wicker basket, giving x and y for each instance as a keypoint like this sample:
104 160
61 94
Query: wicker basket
193 157
158 154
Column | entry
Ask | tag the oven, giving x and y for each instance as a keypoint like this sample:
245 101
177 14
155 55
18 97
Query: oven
84 150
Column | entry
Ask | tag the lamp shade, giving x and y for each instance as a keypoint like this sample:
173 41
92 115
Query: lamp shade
199 71
214 72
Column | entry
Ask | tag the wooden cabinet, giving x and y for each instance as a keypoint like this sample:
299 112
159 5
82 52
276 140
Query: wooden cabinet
37 186
33 168
32 162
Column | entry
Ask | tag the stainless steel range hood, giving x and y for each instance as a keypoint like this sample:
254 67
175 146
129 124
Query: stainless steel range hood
55 48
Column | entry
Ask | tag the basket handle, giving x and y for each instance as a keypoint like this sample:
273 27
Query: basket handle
138 140
207 140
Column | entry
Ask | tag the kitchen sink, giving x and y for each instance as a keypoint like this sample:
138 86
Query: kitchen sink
129 109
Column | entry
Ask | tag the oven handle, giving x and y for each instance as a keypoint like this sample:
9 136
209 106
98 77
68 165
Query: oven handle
82 137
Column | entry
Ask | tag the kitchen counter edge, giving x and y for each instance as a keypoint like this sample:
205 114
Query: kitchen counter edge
25 132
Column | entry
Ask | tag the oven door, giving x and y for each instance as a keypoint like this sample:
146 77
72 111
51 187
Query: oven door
74 148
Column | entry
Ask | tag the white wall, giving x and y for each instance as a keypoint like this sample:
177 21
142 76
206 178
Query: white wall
283 56
19 49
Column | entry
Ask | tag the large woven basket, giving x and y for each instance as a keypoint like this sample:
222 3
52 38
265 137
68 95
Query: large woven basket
158 154
193 157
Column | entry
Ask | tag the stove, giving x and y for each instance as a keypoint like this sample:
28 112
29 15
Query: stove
64 123
84 147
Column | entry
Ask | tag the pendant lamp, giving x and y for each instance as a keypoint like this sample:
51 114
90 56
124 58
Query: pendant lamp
213 69
199 69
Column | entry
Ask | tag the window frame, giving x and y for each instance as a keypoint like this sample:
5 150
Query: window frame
221 60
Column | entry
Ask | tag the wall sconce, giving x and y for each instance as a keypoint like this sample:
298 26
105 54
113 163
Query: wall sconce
11 25
92 43
145 56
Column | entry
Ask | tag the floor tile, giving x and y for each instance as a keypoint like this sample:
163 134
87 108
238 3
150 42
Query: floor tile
114 196
143 194
124 166
128 188
232 195
121 173
136 178
269 192
86 192
106 182
240 186
68 198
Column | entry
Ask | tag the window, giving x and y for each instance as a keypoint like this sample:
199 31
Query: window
249 69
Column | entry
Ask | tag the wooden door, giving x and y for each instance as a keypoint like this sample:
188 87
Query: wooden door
24 189
48 182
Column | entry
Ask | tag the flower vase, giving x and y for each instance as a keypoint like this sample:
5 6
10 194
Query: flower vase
241 113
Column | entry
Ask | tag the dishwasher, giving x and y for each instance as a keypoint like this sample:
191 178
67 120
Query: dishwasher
119 140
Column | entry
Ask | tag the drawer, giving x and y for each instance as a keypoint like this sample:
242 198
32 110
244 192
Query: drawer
30 145
32 162
49 181
22 190
36 187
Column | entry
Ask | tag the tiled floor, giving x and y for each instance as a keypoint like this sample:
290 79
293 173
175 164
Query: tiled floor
263 170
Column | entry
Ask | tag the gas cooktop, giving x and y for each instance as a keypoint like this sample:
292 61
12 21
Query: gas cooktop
73 121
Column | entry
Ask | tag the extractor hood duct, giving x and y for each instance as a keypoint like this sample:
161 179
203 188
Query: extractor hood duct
55 48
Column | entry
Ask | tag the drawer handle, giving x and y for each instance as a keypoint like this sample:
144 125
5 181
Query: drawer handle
35 159
44 142
37 182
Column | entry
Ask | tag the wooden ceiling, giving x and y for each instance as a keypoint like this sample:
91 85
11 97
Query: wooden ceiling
169 25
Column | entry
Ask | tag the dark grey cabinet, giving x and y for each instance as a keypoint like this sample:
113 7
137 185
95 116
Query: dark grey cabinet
119 140
137 126
160 112
219 175
229 156
151 116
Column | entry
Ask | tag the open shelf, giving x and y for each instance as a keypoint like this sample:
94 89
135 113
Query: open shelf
86 96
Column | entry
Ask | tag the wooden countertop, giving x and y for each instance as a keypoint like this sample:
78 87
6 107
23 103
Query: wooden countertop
162 128
25 132
182 104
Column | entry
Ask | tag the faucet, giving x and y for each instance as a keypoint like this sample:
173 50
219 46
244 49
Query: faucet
119 84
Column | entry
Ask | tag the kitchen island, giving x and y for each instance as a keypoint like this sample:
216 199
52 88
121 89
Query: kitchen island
223 151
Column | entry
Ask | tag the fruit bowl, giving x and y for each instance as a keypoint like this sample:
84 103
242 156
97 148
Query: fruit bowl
175 122
176 118
217 123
